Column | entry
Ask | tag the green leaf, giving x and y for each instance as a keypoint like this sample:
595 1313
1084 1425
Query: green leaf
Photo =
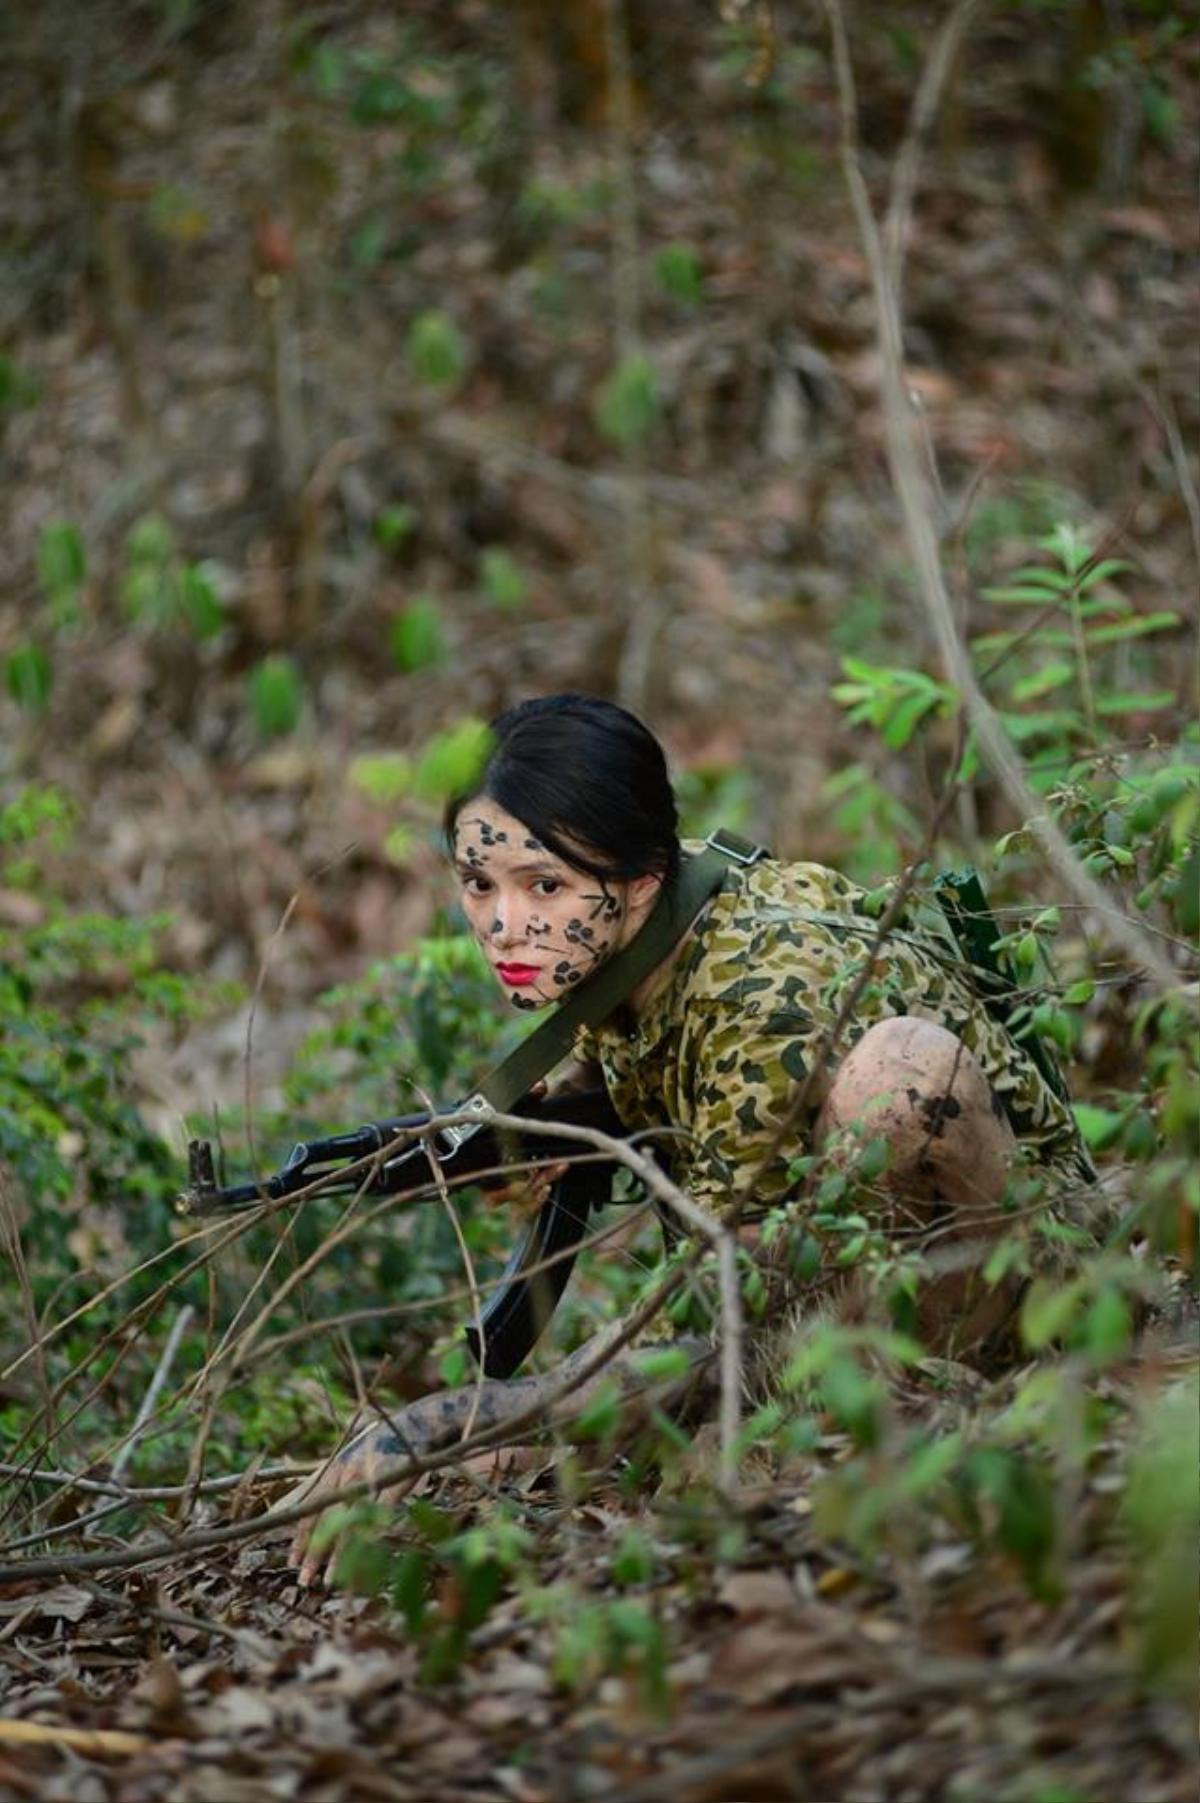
1031 593
19 387
599 1420
276 696
1028 1524
29 676
200 601
1161 113
627 404
150 540
410 1588
1153 702
662 1364
1160 1516
1051 676
874 1158
1080 992
149 593
436 349
929 1464
854 1398
385 776
1140 1141
633 1561
1104 568
394 524
453 761
399 845
1185 899
363 1564
677 271
804 1257
1048 1312
503 580
1108 1324
416 636
1134 628
433 1524
454 1366
905 720
1025 953
62 569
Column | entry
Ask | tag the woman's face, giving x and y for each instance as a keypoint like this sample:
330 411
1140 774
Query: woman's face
543 925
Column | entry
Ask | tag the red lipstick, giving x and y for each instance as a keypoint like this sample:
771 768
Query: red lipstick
518 976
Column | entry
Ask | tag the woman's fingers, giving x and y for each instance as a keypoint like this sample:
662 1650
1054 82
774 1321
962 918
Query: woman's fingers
352 1466
366 1460
526 1194
327 1486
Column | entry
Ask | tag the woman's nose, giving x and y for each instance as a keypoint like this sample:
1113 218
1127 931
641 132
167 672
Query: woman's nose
510 920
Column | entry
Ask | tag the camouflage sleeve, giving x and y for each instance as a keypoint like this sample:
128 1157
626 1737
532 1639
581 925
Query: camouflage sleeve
743 1081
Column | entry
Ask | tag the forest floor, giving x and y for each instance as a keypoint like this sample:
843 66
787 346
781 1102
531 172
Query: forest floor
218 1680
1048 333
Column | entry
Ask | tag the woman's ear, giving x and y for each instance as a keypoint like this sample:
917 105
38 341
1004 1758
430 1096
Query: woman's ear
644 892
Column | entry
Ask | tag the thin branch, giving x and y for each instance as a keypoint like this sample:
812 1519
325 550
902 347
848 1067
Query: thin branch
924 111
162 1371
643 608
464 1252
126 1494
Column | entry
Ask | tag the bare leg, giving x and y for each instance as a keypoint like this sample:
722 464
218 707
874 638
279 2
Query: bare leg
950 1148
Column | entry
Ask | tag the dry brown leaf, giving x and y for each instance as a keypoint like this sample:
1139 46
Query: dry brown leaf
65 1602
758 1593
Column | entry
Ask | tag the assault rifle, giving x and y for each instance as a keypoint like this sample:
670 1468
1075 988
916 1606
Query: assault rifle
373 1160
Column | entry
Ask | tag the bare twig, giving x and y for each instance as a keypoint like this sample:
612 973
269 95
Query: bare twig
921 119
162 1371
642 607
98 1486
464 1252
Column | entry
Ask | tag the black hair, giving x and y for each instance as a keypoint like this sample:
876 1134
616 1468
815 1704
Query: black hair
588 780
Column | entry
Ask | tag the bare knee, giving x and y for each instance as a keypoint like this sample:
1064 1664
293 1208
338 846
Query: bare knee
918 1087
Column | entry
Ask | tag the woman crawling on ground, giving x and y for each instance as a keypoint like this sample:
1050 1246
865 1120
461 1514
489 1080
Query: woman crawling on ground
560 853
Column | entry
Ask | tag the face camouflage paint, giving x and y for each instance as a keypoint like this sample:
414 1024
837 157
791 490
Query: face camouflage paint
543 925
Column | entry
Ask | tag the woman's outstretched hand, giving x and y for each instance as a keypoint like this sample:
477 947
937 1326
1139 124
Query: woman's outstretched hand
371 1458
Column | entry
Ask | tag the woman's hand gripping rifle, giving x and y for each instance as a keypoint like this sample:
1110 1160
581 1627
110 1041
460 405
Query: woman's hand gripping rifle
391 1158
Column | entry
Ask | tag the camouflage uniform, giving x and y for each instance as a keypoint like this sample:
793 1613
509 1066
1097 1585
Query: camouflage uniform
721 1048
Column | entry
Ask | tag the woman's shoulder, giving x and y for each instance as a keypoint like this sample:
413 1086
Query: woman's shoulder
751 922
751 892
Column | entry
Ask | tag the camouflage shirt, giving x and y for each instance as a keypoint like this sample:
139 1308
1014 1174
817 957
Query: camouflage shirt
719 1050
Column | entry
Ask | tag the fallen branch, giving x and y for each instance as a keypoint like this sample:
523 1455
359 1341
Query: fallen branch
91 1741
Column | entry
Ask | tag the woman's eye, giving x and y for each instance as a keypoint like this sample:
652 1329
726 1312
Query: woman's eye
475 885
547 885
